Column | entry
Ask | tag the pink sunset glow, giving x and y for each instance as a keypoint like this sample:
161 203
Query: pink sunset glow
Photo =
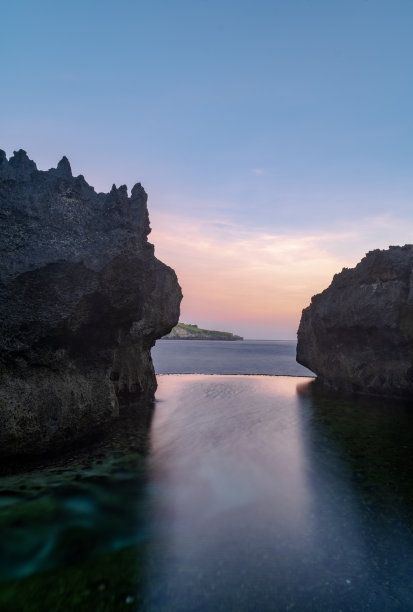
254 283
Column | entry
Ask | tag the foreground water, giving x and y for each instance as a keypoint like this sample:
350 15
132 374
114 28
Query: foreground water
264 496
258 493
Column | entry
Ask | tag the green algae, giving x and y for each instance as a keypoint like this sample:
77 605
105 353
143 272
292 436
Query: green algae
373 437
76 520
104 583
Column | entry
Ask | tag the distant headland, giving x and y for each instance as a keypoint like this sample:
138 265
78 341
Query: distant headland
184 331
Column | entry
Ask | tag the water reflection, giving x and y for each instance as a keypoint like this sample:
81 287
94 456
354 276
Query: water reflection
371 438
230 500
256 501
258 493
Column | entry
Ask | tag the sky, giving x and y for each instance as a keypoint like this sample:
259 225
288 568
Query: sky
274 137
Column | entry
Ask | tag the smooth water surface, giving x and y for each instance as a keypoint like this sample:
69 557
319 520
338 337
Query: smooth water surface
271 357
258 494
263 496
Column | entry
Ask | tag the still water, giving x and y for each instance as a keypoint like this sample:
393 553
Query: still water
258 493
266 496
271 357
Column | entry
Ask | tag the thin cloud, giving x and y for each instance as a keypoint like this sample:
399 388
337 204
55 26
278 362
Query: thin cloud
230 273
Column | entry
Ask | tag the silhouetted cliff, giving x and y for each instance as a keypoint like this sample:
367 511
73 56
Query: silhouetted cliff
82 301
357 335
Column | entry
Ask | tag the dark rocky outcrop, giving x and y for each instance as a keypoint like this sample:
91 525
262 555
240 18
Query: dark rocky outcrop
357 335
82 300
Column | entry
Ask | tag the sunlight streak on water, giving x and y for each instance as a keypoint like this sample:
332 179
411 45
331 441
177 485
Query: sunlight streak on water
229 452
251 504
230 456
258 493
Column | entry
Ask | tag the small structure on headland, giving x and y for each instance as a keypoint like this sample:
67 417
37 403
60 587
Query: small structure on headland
357 335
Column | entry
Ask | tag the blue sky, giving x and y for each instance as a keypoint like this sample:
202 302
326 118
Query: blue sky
257 128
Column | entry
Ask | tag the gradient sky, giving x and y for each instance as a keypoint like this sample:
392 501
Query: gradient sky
275 138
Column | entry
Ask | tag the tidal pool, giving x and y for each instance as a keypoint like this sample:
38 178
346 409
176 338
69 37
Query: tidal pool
257 493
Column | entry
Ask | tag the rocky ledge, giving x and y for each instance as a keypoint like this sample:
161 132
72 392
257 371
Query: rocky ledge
82 301
357 335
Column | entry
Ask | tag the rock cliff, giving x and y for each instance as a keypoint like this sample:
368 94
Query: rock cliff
82 301
357 335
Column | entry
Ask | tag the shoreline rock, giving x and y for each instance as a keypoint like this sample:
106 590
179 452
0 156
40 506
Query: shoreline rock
357 335
82 301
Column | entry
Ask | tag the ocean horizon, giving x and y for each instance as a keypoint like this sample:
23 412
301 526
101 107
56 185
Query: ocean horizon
266 357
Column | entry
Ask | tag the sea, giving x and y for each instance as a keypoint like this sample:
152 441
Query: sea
265 357
258 492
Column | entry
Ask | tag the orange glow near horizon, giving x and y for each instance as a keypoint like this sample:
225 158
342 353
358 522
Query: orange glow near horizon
243 278
255 283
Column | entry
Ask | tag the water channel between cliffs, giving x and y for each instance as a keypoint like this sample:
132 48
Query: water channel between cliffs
257 494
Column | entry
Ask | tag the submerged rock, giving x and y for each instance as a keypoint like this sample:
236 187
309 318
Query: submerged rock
357 335
82 301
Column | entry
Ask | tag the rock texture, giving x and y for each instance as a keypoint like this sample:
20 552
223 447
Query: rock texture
82 301
357 335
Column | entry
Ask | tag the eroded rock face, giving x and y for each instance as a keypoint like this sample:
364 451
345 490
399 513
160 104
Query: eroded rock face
357 335
82 301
